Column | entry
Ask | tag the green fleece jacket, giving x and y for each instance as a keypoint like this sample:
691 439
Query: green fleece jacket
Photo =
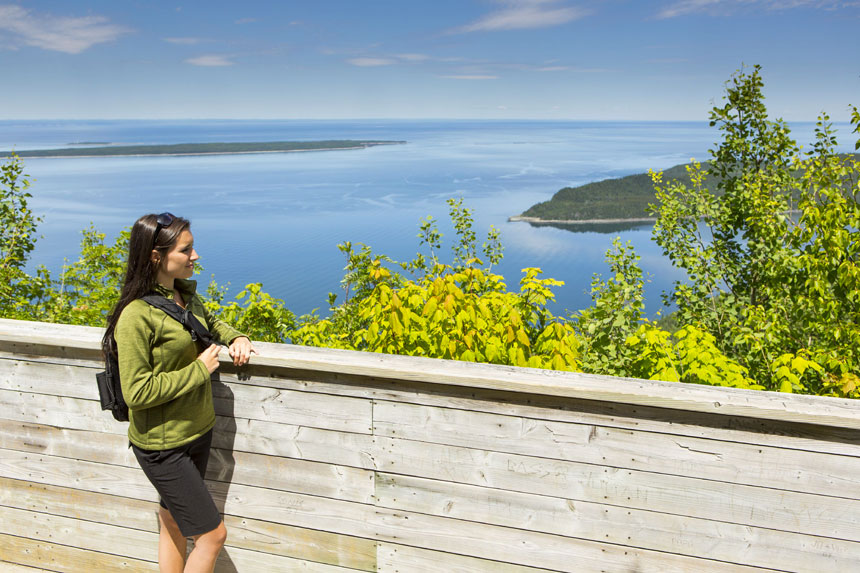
167 389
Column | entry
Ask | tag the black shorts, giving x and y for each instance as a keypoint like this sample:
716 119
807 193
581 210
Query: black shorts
177 475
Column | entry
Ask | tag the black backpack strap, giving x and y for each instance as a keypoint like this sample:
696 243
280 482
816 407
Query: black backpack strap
184 316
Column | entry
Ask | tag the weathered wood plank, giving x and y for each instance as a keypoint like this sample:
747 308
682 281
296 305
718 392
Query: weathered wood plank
59 411
622 526
99 537
291 441
528 548
840 413
747 505
295 509
454 536
459 537
807 437
320 548
68 448
67 443
326 480
233 560
57 557
403 559
62 381
288 508
350 415
47 378
243 532
712 459
96 362
137 545
725 401
311 444
77 474
79 504
7 567
324 411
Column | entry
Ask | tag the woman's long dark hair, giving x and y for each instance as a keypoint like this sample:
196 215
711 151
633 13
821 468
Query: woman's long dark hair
140 271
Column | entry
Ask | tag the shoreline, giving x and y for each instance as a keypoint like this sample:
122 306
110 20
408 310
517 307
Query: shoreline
91 153
535 220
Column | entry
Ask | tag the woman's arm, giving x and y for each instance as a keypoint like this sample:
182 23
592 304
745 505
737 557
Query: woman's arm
240 347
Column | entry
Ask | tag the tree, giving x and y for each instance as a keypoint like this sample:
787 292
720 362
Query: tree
17 239
459 311
771 253
616 313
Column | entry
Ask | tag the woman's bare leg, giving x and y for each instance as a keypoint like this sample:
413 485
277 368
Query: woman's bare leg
206 549
172 545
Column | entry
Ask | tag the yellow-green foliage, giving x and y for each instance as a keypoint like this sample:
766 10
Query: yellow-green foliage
693 358
461 314
260 316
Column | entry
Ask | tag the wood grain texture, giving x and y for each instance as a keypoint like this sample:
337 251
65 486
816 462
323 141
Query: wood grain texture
244 533
403 559
7 567
66 558
734 503
707 458
618 525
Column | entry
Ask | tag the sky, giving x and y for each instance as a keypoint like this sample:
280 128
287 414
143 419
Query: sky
658 60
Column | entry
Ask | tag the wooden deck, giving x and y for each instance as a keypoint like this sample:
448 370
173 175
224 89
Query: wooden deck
330 461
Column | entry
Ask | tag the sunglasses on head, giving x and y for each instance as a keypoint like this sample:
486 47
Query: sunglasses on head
163 220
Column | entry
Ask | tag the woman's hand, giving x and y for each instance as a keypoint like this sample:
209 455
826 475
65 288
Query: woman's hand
209 357
240 350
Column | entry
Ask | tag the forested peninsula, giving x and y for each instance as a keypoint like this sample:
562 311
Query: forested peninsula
614 203
610 201
201 148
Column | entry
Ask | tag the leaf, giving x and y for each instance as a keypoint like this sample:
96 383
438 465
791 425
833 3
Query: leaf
522 337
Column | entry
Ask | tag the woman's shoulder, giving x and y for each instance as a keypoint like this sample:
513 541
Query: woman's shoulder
134 311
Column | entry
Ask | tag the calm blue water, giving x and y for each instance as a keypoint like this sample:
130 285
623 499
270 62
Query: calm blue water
277 218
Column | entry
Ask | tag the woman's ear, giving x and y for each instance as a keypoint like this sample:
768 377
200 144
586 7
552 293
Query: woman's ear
155 257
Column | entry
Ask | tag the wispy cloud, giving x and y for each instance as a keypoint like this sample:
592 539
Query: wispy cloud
371 62
185 41
389 60
57 33
459 68
210 61
687 7
471 77
525 14
726 7
413 57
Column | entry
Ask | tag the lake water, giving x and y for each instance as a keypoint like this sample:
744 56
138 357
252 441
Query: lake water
277 218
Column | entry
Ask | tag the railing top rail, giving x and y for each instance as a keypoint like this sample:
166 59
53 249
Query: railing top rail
816 410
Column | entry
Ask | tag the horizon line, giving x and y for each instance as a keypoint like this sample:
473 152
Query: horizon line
364 119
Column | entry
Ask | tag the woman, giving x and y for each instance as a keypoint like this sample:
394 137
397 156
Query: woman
166 382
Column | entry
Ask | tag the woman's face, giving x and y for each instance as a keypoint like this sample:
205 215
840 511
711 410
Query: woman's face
179 261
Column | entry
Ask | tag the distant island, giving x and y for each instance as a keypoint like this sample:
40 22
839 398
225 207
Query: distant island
200 148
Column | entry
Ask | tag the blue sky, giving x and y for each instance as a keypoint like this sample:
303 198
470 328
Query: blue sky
532 59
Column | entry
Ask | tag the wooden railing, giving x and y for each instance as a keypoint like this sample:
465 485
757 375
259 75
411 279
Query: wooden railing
329 460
